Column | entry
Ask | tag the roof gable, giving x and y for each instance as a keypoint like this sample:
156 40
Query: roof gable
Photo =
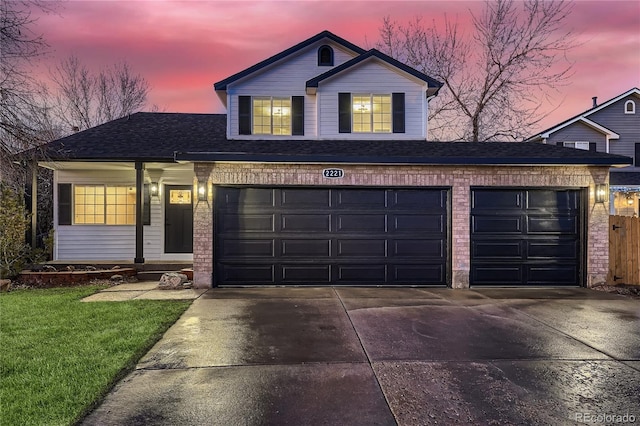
583 118
222 85
433 85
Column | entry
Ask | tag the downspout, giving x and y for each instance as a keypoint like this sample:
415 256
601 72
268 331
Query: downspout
139 201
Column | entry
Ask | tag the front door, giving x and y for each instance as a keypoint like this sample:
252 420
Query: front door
178 222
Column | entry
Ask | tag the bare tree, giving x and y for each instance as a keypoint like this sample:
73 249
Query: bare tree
496 78
19 45
83 99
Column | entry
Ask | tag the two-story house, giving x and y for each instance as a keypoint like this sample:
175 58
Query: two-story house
613 127
321 173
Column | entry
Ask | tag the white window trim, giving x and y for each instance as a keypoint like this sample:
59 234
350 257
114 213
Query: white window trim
633 107
105 186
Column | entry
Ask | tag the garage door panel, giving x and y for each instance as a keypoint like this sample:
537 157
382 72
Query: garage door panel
497 275
257 197
305 248
353 198
247 222
552 200
553 249
553 275
542 248
362 274
247 273
552 224
497 249
362 223
305 198
423 248
331 236
419 223
506 224
402 199
418 274
305 222
347 248
246 247
316 274
490 200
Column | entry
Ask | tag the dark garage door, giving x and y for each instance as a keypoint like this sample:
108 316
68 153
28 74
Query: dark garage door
525 237
325 236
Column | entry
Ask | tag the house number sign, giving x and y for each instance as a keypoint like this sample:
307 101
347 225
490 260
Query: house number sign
333 173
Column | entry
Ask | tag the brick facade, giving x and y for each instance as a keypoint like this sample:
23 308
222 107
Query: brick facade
458 178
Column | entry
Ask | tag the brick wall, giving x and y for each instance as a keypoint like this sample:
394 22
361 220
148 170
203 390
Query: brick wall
460 179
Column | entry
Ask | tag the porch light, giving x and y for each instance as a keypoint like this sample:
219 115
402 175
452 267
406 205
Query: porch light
154 189
601 192
202 191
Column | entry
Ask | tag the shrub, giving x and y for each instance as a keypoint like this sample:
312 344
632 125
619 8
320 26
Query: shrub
14 219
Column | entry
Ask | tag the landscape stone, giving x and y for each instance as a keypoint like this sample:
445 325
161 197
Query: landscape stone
172 281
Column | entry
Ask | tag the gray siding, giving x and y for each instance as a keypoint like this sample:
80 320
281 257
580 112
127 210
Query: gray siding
612 117
579 132
626 125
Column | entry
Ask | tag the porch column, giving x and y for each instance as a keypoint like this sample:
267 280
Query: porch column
139 203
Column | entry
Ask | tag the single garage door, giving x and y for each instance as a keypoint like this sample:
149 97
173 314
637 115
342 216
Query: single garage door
329 236
526 237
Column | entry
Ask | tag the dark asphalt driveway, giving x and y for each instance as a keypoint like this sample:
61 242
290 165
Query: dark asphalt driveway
356 356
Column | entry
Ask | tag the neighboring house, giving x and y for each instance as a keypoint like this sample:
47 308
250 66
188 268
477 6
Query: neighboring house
613 127
321 174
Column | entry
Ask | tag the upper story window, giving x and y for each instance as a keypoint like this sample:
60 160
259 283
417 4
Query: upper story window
371 113
325 56
271 116
629 107
577 145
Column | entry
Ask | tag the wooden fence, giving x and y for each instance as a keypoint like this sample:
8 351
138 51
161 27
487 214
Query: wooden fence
624 250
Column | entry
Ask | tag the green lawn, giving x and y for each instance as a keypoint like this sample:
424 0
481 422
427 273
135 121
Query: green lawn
60 356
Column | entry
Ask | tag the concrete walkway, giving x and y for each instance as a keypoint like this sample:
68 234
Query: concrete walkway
350 356
142 290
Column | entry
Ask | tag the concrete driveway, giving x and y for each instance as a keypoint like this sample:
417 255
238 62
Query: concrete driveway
352 356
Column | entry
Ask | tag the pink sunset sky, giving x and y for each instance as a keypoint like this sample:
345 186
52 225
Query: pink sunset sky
182 48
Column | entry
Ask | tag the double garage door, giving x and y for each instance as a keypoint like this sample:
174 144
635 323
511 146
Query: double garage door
328 236
392 237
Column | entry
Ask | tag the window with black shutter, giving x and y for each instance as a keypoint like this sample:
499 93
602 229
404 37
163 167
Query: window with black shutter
64 204
397 101
344 112
297 115
244 115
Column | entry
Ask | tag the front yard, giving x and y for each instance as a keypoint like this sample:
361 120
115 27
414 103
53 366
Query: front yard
60 356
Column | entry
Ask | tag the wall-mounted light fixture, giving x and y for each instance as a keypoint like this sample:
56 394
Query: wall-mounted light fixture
602 193
203 193
154 189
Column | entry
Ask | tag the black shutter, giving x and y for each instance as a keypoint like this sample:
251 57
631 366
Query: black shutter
244 115
560 143
592 146
64 204
146 205
397 105
344 112
297 115
637 162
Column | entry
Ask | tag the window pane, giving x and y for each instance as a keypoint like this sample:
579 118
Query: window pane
281 116
381 113
261 115
361 113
